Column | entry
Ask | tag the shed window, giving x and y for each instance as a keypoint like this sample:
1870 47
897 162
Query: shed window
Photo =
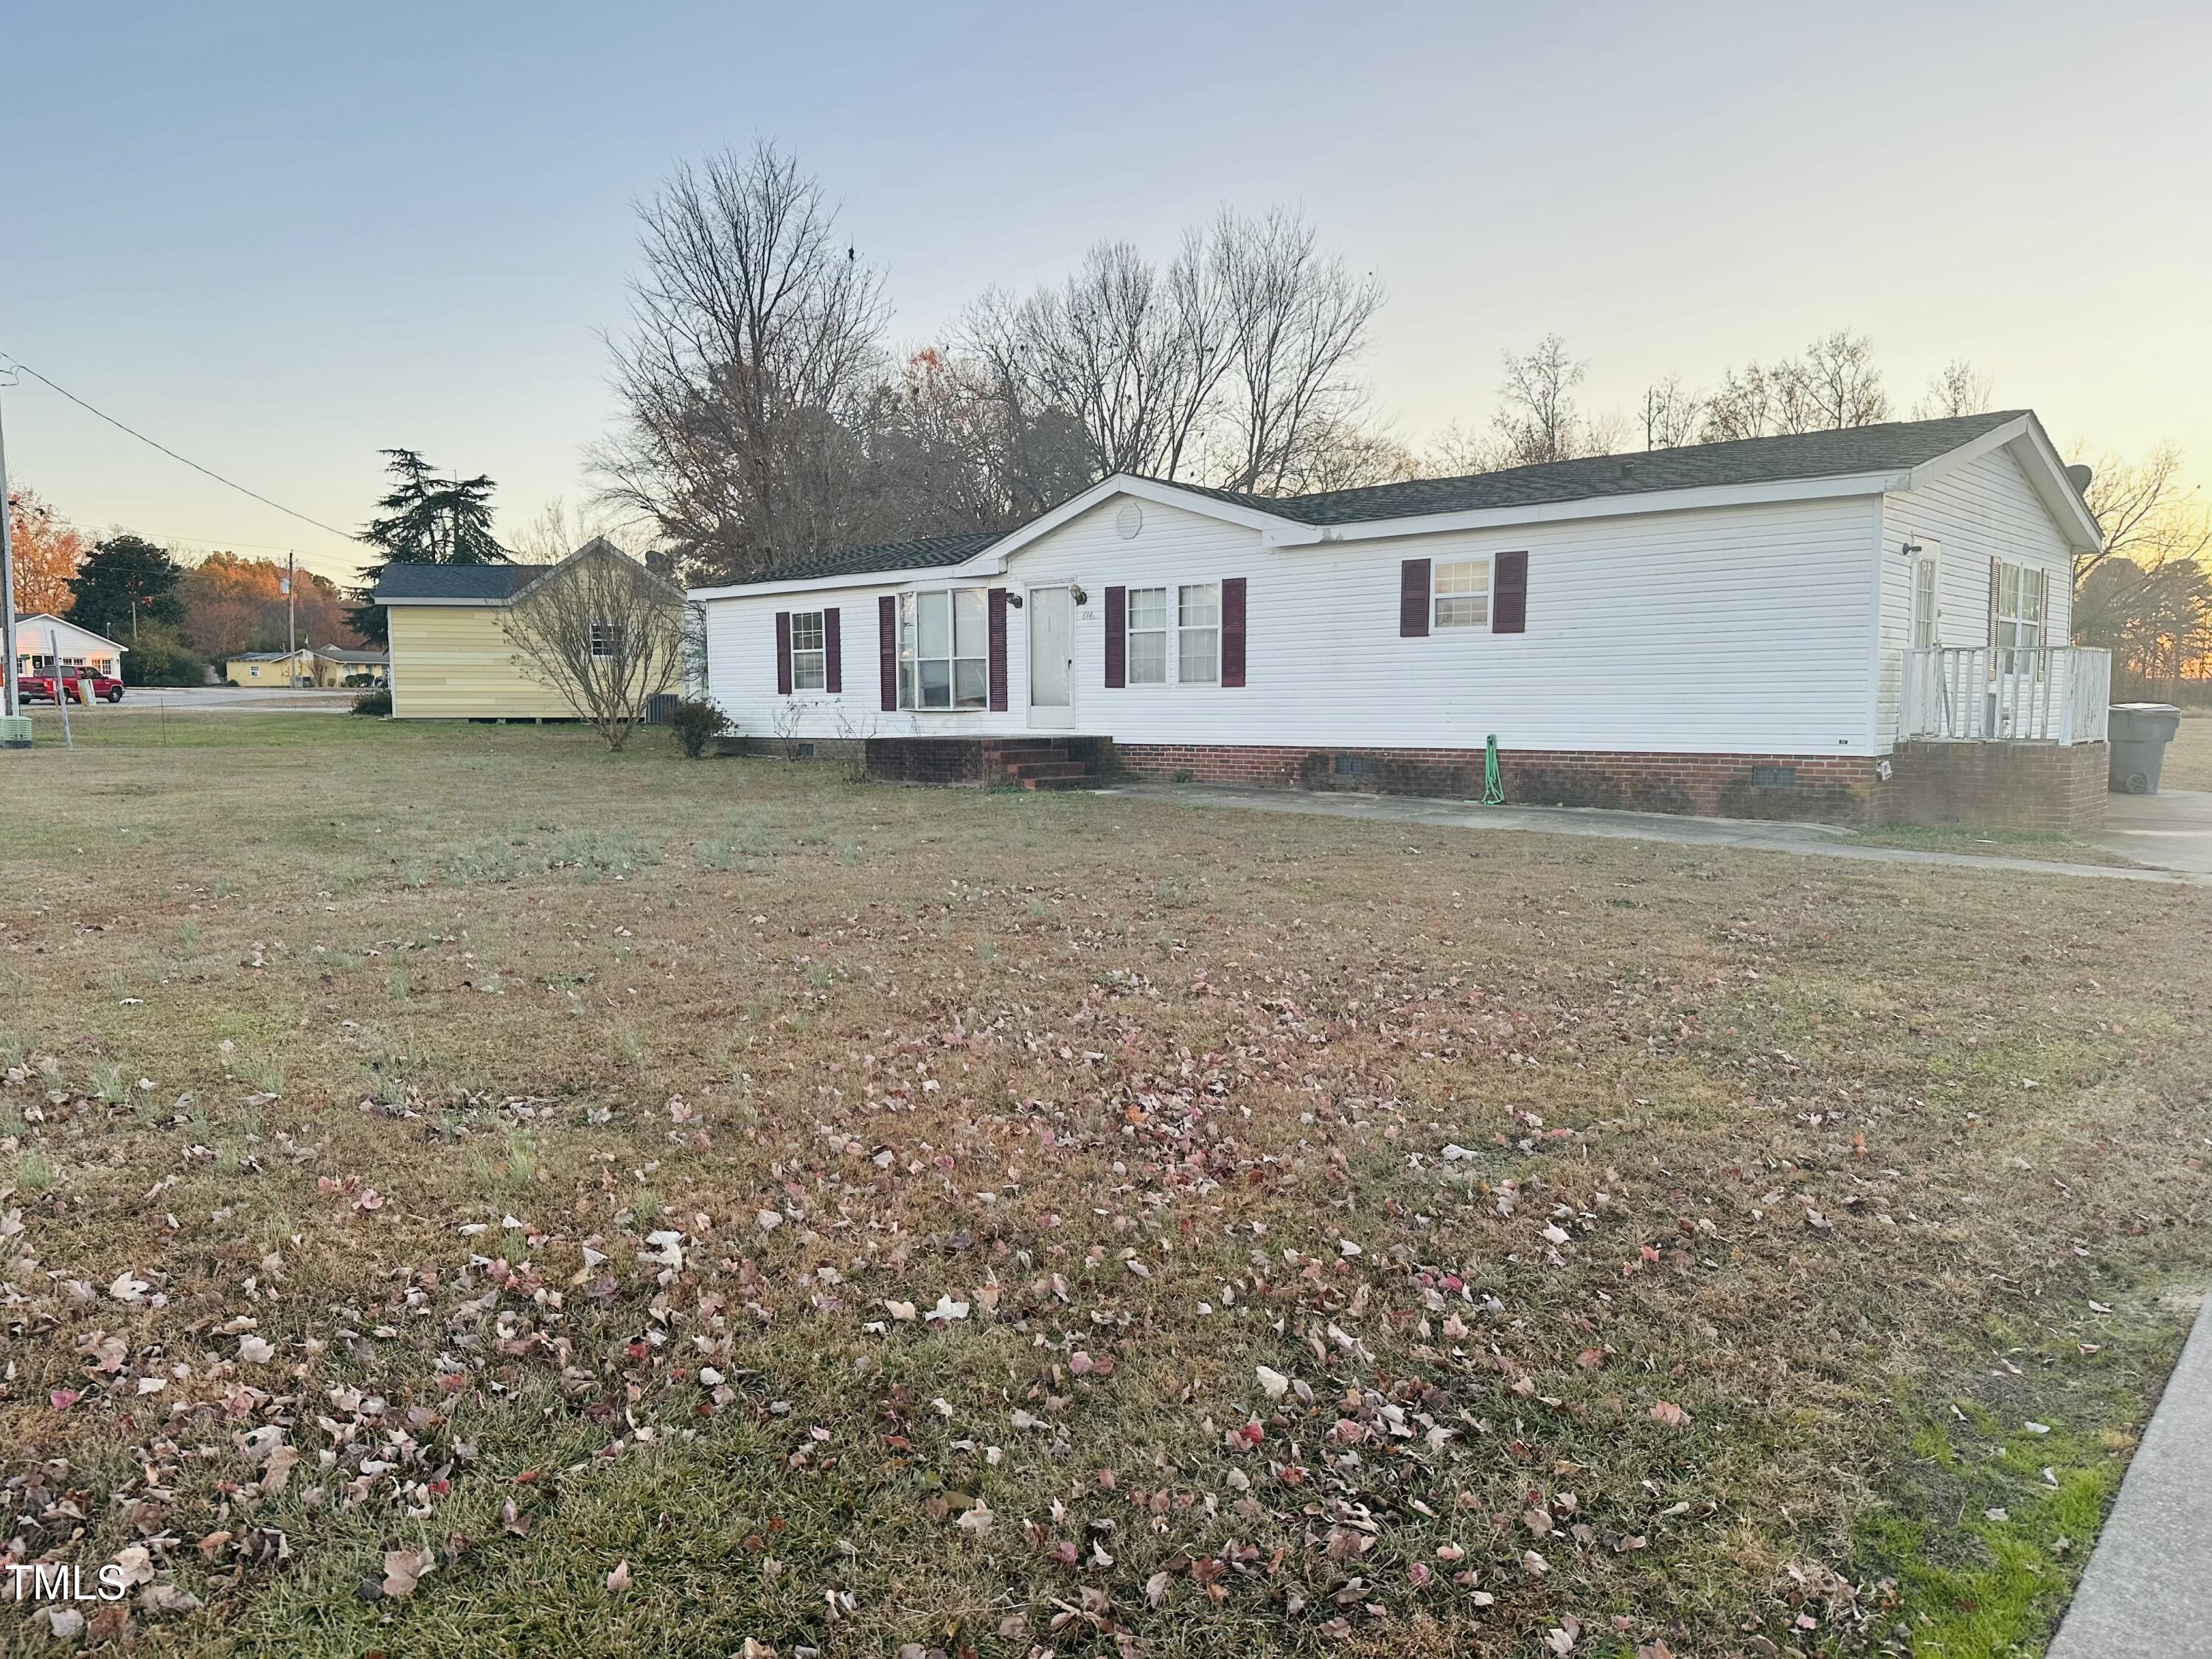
602 640
944 649
809 666
1462 593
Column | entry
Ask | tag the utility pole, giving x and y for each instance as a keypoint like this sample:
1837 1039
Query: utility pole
291 630
14 703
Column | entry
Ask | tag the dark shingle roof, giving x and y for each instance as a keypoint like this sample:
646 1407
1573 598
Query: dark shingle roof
926 554
454 581
1893 447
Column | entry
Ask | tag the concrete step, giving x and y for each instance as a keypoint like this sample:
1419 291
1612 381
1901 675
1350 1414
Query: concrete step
1047 771
1081 779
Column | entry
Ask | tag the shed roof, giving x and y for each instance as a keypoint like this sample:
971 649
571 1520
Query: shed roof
455 581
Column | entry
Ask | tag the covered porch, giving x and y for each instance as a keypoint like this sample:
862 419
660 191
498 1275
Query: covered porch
2003 738
1998 694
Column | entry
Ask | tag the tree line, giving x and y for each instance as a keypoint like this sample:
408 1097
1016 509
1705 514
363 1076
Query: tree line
177 616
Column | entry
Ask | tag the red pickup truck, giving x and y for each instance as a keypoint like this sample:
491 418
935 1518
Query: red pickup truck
82 688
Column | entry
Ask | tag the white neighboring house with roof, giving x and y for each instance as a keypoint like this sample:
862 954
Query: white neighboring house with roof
36 635
1763 627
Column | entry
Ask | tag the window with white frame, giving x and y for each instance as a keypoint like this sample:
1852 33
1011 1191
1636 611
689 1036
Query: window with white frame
1197 634
2019 622
810 665
1462 590
1147 661
602 640
1924 625
943 647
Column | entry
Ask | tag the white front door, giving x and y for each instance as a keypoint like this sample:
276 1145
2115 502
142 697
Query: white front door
1052 656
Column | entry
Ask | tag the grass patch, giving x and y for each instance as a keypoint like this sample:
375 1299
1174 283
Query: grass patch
1708 1226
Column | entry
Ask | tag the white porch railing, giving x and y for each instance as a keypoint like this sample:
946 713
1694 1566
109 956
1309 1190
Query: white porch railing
1985 693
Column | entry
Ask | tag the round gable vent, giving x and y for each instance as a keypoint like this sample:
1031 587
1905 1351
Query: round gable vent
1129 521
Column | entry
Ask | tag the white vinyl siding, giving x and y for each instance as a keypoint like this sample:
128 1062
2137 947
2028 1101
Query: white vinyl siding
1983 511
1746 630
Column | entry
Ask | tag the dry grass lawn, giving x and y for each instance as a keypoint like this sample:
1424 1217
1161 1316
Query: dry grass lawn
2188 756
465 1192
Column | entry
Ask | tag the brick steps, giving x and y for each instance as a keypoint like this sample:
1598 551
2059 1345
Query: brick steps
1045 765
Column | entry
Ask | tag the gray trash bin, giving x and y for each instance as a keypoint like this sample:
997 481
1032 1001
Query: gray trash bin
2139 734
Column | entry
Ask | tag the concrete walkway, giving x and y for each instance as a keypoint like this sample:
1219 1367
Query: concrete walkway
1809 840
2147 1592
2171 830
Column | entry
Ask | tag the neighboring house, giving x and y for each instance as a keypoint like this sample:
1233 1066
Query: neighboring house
335 665
270 667
35 637
1852 624
450 654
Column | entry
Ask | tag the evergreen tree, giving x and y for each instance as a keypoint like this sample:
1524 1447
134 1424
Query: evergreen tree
123 583
423 519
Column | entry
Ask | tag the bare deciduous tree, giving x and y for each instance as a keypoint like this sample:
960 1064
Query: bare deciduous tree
1538 421
1226 366
754 341
1959 388
1296 318
603 632
2149 520
1456 453
1669 415
1834 383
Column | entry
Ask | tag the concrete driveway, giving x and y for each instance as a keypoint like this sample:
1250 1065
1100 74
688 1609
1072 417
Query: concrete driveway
2170 830
1805 839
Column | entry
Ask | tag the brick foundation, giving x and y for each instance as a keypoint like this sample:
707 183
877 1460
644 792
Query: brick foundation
2028 786
973 761
1998 786
1821 788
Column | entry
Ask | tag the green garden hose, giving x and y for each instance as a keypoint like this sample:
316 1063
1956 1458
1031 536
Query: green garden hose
1493 786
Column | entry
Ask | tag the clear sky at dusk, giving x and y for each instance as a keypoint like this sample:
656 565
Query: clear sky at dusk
280 237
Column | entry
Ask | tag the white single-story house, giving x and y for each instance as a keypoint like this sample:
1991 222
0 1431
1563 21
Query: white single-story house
37 634
1859 625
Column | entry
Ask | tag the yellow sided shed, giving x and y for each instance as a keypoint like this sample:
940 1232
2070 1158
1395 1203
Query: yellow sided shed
451 658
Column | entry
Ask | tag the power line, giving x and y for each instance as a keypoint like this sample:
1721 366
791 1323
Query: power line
220 543
230 483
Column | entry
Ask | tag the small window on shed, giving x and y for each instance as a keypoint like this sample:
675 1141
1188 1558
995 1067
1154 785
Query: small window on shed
602 640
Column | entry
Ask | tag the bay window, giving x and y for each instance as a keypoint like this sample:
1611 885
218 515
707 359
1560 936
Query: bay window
944 649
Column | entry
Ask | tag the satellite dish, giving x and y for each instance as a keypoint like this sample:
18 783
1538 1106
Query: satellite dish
2081 475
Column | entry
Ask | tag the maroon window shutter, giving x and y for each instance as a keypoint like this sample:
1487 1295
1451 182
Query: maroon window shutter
998 648
1232 631
1117 636
1413 600
1509 605
833 651
887 647
783 654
